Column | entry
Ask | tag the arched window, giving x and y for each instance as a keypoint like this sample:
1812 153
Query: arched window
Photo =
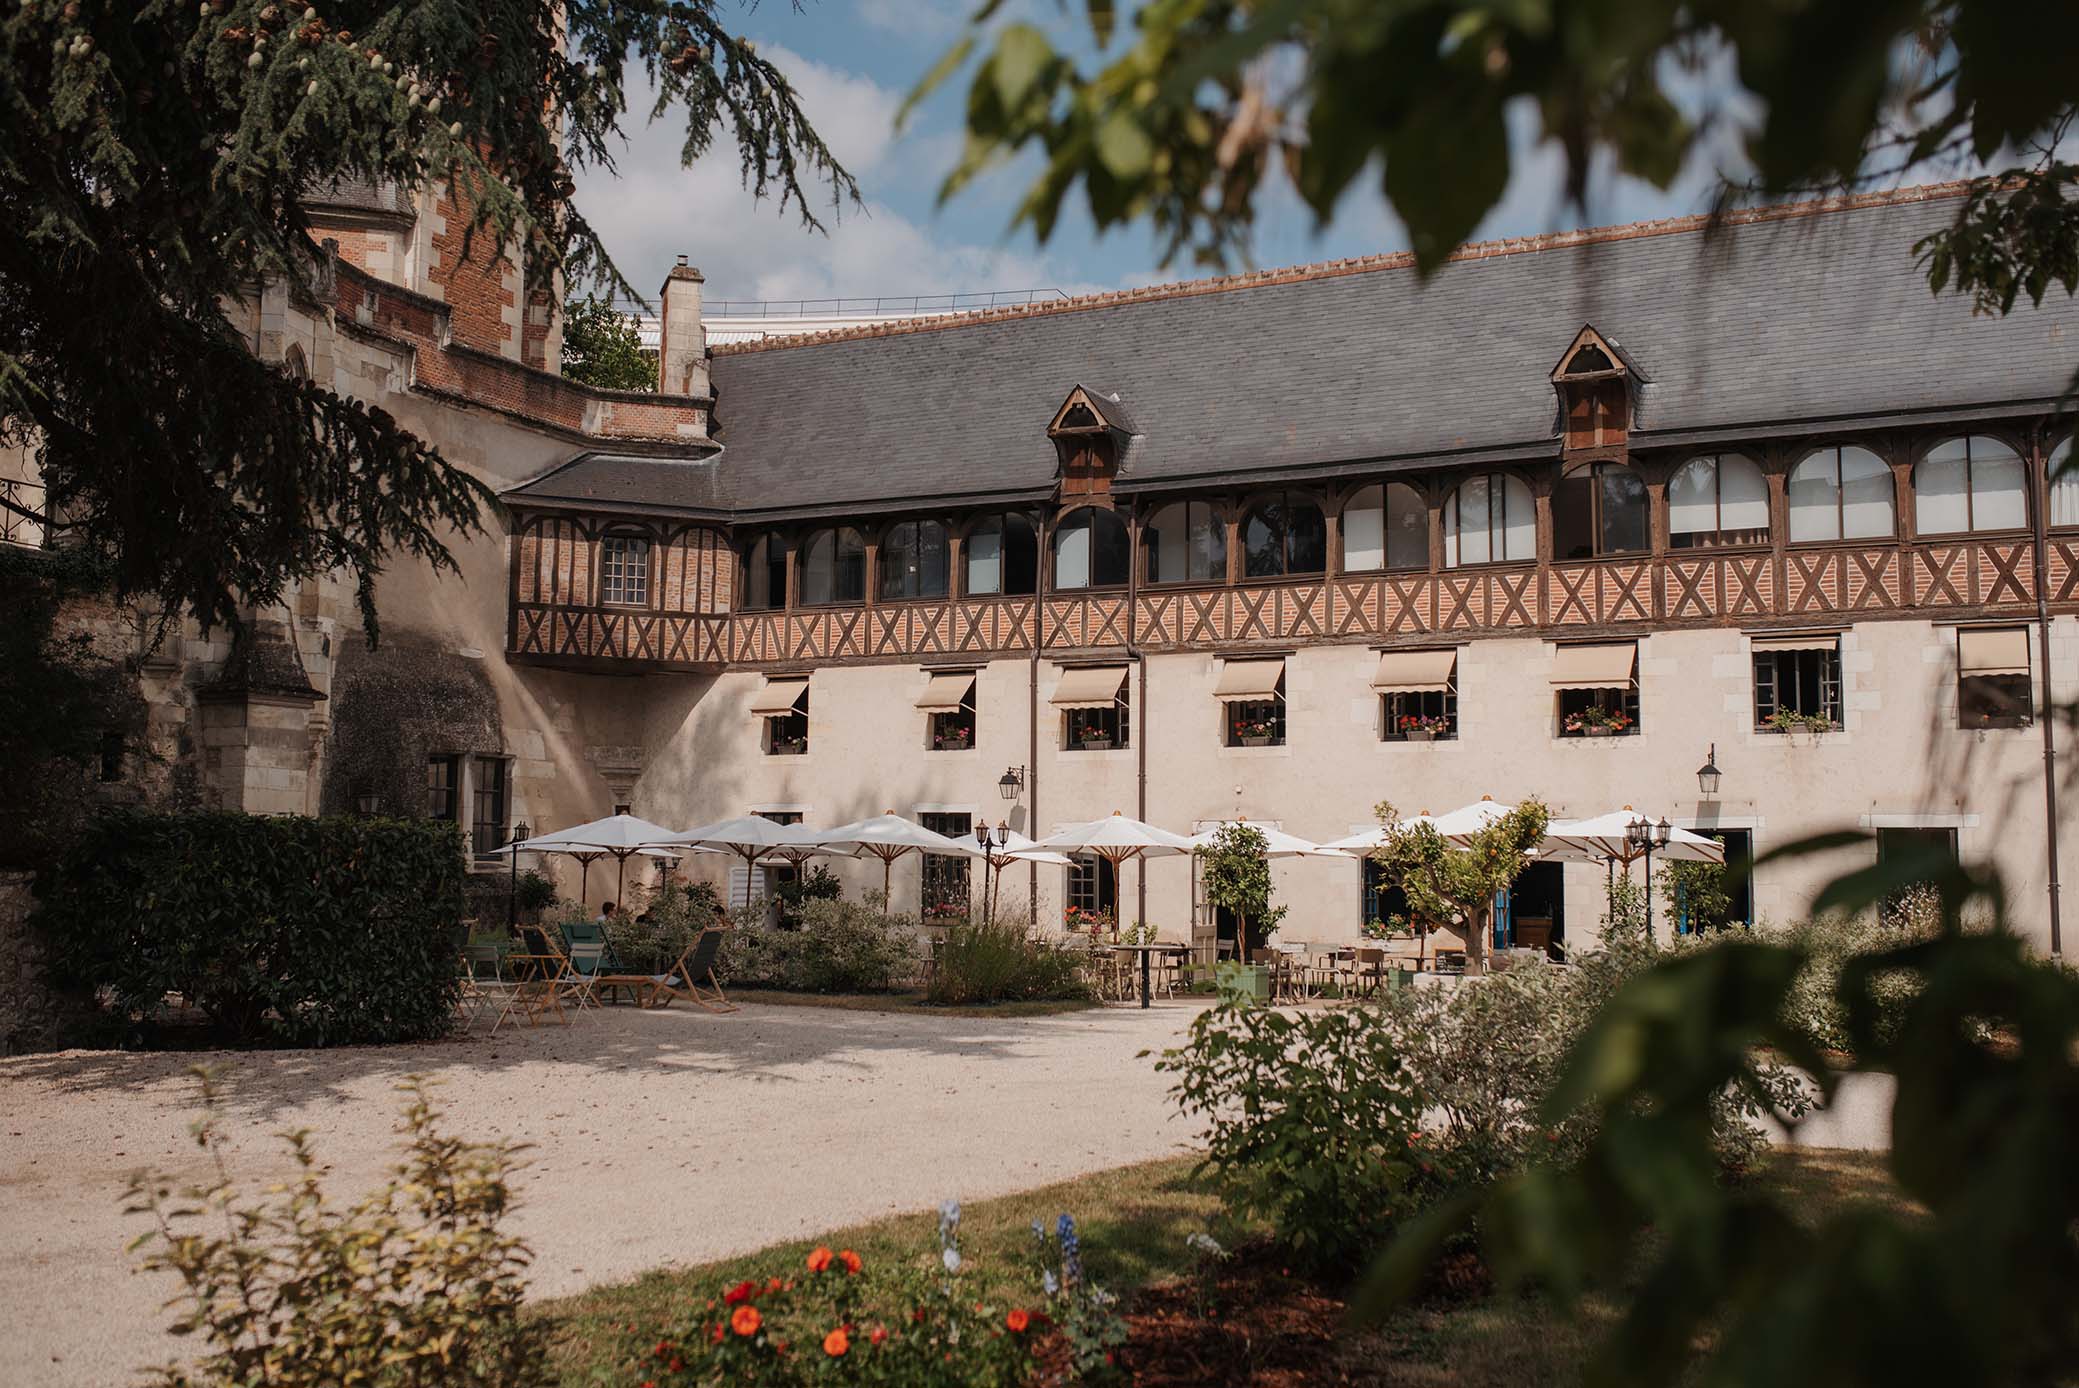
764 585
912 562
1971 483
833 567
1490 519
1185 542
1599 509
1386 528
624 570
1718 501
1090 549
2064 486
1283 534
1841 494
1003 555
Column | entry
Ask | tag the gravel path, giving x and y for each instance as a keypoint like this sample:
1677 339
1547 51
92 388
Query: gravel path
739 1131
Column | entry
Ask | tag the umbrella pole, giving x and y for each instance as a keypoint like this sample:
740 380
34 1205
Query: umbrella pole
584 880
621 880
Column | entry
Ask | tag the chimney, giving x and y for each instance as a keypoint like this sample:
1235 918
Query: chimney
682 342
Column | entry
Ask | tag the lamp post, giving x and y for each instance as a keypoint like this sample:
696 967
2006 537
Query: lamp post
990 840
520 834
1645 836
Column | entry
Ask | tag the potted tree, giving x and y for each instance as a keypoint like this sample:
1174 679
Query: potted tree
1236 873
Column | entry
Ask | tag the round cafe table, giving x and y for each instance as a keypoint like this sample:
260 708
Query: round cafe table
1147 952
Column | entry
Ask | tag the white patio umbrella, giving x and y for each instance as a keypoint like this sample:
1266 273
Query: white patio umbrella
1606 838
1116 838
749 838
1015 848
887 837
1277 843
620 837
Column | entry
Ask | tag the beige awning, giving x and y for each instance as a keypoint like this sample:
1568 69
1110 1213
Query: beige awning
1414 672
1594 667
946 692
1249 681
1092 686
1992 651
778 698
1805 641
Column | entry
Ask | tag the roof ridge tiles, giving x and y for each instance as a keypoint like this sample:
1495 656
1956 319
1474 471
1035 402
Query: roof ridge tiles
1360 264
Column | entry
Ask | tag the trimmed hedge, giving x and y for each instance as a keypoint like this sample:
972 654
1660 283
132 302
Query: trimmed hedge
307 932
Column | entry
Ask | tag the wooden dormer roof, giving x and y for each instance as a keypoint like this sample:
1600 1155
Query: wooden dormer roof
1088 411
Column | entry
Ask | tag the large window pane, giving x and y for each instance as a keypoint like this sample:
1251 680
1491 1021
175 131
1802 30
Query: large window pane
1465 529
1998 487
1942 490
1208 545
1407 528
1364 530
1167 536
1693 502
1072 551
1623 497
819 568
1743 501
1519 521
760 591
985 556
1815 497
1306 538
913 561
2064 486
1110 551
1263 541
1868 499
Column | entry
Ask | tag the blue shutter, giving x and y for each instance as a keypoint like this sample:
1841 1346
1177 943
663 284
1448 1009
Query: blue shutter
1502 932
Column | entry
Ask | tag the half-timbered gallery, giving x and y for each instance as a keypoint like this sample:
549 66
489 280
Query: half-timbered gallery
1574 519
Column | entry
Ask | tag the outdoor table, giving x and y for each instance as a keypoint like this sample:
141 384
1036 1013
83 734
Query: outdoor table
1146 952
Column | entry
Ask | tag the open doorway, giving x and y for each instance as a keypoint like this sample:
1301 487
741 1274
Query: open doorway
1537 909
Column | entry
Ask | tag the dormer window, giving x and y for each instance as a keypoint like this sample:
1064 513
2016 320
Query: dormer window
1089 431
1594 381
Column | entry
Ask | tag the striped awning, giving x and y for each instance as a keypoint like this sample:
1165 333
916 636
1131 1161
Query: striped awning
1992 651
1249 681
946 692
1414 672
1594 667
778 698
1091 686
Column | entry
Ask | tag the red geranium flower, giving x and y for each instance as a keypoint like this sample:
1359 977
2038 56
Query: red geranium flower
820 1259
836 1342
880 1333
851 1260
1017 1321
741 1292
746 1321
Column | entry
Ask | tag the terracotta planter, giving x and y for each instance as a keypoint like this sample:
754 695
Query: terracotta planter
1420 735
1256 742
1097 744
1597 732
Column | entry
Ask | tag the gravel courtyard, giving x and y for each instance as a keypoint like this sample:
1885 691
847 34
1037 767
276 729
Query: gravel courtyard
659 1137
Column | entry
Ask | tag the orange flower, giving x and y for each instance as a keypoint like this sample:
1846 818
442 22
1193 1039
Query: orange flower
773 1285
746 1321
850 1260
1017 1321
819 1260
836 1342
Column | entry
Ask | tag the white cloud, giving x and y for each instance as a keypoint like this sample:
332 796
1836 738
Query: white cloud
656 209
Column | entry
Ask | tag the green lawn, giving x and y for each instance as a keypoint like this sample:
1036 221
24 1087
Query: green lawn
1134 1221
907 1002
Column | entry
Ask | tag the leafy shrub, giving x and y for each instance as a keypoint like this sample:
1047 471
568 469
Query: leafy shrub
653 941
842 1321
1312 1121
413 1286
1831 941
993 961
537 894
1487 1056
841 947
311 932
819 883
1087 1314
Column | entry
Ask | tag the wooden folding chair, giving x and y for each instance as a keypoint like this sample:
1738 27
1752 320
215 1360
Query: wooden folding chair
537 988
693 977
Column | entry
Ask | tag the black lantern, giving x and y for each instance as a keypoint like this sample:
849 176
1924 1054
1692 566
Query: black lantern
1708 775
1639 834
520 834
367 803
1011 783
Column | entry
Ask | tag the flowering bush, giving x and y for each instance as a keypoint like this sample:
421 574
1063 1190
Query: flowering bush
841 947
1077 920
1416 723
840 1321
1087 1313
993 961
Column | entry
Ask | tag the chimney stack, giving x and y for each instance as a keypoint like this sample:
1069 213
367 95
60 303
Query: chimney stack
682 342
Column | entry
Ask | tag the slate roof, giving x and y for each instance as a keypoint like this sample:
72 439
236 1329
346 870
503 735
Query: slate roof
1816 314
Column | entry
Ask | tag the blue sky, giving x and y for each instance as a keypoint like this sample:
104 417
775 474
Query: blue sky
853 62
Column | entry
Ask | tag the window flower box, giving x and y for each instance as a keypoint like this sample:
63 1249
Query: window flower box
1096 744
1597 721
789 746
1249 741
1417 728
